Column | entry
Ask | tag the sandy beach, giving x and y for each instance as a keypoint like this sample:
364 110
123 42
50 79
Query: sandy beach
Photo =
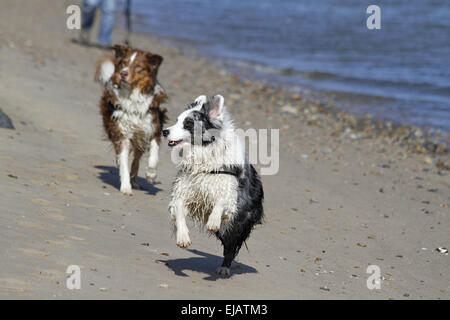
349 192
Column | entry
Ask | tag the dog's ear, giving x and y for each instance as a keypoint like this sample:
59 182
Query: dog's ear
199 101
154 59
216 107
120 50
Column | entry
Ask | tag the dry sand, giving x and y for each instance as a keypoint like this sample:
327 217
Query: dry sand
340 202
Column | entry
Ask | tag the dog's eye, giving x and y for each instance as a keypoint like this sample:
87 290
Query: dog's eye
188 124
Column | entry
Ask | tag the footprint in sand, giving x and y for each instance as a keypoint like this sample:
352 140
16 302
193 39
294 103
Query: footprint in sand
50 275
79 226
97 255
66 196
39 182
69 237
42 202
83 205
58 243
34 253
72 177
53 214
11 285
48 165
30 224
6 157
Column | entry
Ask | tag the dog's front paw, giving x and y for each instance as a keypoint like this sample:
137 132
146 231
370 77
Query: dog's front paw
183 240
223 271
126 190
150 175
213 225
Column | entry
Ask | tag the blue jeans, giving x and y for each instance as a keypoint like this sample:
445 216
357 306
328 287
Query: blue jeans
108 16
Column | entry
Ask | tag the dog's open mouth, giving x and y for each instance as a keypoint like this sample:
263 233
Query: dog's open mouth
174 143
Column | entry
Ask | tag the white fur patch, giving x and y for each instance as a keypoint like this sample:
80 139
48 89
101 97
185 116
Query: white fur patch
125 186
135 122
127 68
106 71
133 57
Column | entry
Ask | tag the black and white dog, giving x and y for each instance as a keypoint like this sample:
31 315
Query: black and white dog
216 185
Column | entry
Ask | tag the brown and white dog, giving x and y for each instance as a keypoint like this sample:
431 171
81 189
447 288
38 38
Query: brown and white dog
130 107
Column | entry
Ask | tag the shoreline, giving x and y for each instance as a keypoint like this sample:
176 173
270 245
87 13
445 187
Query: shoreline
434 139
360 104
421 139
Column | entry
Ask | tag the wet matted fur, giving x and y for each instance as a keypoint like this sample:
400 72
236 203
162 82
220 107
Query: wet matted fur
216 186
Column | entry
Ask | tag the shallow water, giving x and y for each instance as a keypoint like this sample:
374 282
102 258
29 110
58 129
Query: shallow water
402 71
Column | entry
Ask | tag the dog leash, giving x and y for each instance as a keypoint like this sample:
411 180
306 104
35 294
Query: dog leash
128 21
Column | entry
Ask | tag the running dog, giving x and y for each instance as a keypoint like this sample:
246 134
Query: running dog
130 107
216 186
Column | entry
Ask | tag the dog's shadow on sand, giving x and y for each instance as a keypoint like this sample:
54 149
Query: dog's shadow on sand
110 175
205 263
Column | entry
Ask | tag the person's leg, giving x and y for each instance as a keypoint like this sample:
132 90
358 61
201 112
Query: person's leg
108 18
88 16
89 7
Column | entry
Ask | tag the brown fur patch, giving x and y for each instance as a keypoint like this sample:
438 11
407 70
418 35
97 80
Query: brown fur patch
159 115
107 107
143 70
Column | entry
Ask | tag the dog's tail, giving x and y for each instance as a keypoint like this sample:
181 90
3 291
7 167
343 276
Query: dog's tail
105 69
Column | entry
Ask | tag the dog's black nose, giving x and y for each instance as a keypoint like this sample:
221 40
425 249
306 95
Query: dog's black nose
165 133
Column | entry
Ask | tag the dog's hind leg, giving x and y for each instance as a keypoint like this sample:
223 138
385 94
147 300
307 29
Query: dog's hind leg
153 159
229 253
178 214
135 168
232 240
122 160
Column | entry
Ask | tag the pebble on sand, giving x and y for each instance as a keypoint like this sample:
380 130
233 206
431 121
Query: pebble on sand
5 121
428 160
359 244
289 110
